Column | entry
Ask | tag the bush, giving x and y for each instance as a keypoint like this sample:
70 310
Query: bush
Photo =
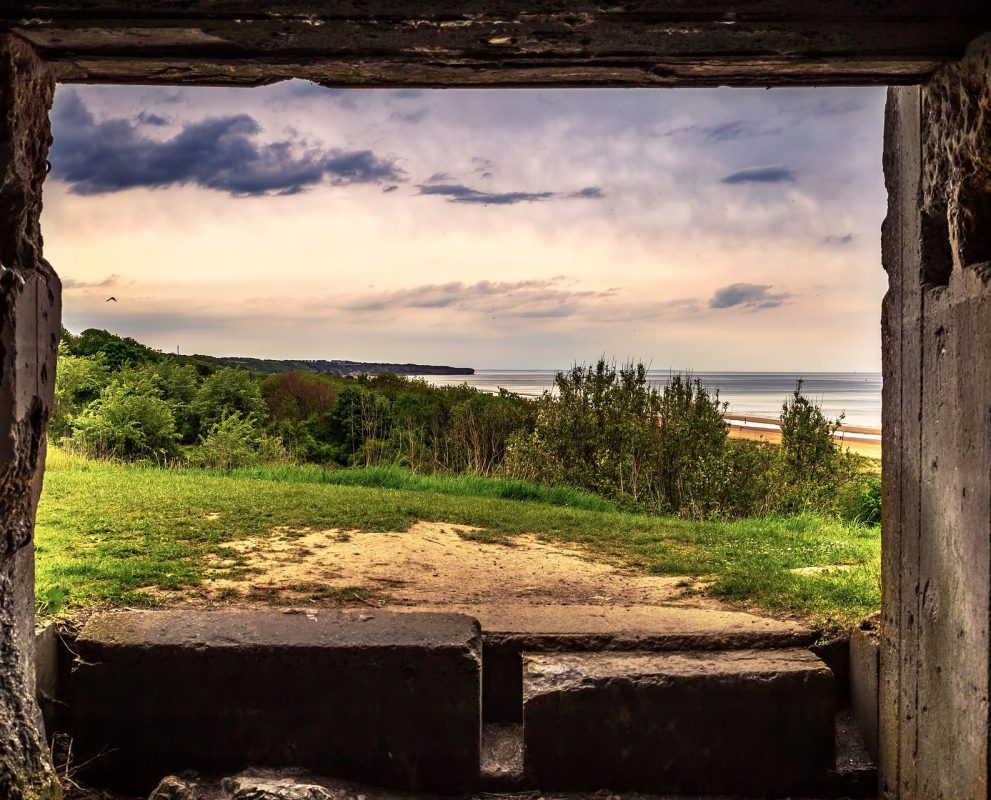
608 431
812 458
861 501
121 424
751 479
235 442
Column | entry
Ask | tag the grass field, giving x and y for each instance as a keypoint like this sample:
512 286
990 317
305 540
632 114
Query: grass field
106 531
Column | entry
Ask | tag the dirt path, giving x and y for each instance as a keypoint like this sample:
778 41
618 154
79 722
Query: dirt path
431 564
523 585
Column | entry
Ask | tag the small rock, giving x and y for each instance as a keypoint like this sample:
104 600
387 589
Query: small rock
173 788
254 787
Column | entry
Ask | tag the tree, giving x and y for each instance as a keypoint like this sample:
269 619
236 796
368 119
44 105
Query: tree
224 392
78 381
296 396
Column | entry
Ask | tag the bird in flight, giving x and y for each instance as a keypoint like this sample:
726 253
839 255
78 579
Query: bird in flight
109 299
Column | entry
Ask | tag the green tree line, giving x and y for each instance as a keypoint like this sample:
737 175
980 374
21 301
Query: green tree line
605 430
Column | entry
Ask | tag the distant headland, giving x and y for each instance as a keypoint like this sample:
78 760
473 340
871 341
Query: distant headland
272 366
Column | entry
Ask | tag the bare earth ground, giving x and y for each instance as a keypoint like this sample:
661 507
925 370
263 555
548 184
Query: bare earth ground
432 564
523 584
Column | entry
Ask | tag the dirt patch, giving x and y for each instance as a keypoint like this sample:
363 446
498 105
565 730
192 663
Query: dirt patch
431 564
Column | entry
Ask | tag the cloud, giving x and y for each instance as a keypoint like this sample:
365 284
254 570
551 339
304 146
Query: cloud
220 153
748 296
728 131
459 193
408 117
839 240
722 132
151 119
71 284
775 174
540 299
520 299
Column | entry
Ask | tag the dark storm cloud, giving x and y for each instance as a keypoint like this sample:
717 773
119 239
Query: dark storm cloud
776 174
459 193
220 153
748 296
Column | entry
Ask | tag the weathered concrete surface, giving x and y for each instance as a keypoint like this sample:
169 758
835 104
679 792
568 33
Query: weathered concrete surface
936 246
751 722
856 770
516 42
29 325
509 629
865 665
502 757
389 698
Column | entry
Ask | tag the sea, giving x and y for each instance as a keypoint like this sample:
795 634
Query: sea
857 395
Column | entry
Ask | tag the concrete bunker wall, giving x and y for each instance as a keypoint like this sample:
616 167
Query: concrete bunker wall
30 315
936 244
934 718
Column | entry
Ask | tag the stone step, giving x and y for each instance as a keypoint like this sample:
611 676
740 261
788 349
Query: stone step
745 722
393 699
512 628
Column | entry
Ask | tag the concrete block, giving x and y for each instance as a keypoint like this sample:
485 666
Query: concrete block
52 662
390 698
509 631
865 664
754 723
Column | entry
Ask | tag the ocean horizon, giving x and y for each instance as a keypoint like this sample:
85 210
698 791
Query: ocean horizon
857 395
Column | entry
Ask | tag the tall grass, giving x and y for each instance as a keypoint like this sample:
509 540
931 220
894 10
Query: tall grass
404 480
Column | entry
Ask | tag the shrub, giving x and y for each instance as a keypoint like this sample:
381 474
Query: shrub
751 479
608 431
237 441
122 424
693 447
862 500
812 458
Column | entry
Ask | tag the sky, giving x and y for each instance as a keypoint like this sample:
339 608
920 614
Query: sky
716 229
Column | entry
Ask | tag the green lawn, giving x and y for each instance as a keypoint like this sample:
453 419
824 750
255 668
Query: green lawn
106 531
